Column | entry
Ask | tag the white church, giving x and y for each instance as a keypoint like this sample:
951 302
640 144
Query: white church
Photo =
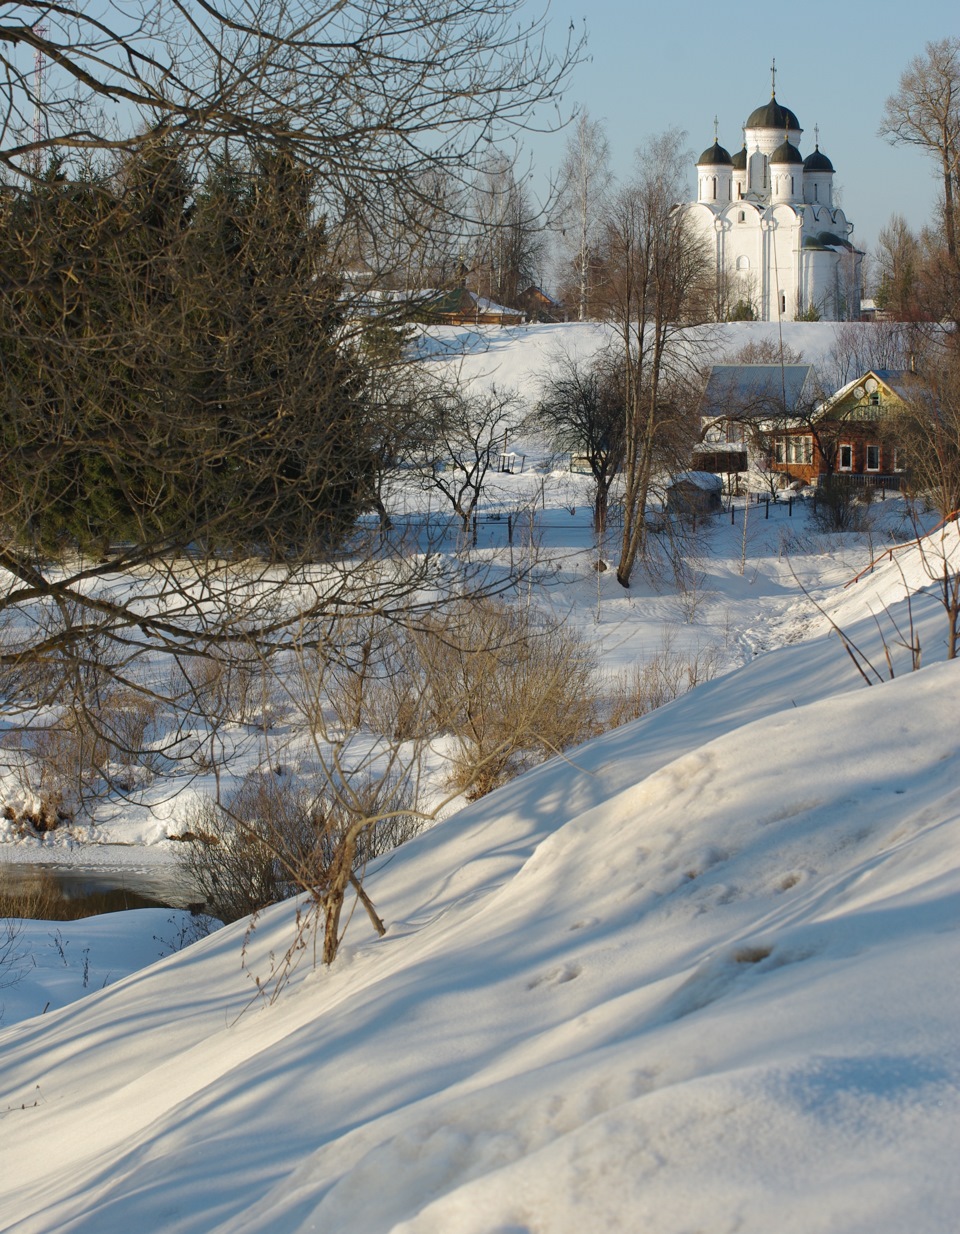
783 249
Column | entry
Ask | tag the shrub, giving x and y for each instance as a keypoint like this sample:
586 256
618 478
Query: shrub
511 686
275 837
843 506
656 681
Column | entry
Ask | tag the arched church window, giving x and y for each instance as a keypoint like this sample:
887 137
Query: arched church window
816 192
743 263
714 188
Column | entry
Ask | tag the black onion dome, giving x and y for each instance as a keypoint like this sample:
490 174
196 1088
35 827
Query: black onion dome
817 162
773 116
786 153
740 160
716 156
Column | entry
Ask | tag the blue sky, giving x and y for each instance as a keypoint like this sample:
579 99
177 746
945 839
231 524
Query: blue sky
664 65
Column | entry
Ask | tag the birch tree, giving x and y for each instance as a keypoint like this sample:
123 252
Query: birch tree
585 182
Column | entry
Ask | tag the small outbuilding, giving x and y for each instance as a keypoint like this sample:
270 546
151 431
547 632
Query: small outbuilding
693 493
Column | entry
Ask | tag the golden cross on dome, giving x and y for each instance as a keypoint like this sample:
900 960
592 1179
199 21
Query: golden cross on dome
716 130
773 77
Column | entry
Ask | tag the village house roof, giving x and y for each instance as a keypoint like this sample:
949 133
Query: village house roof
756 390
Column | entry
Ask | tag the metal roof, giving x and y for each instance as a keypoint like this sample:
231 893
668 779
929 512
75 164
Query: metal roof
760 390
773 115
716 156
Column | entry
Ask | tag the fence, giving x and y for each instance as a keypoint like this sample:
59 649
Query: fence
862 479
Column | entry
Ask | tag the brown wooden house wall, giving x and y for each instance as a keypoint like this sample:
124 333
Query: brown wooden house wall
858 434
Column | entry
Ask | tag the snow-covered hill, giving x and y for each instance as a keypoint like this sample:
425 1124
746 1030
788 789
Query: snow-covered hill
521 357
698 976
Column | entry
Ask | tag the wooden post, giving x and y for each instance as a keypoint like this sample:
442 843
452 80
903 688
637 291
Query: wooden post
510 530
766 513
474 531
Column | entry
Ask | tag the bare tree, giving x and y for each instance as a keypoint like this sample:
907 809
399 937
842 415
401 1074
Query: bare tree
585 181
860 346
899 260
373 95
463 435
925 112
659 282
927 434
581 410
510 241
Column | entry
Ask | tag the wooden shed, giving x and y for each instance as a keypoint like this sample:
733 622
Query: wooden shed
693 493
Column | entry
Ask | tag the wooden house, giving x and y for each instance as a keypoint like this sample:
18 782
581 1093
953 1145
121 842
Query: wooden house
844 434
541 307
462 307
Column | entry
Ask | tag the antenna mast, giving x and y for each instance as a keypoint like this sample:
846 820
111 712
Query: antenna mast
38 68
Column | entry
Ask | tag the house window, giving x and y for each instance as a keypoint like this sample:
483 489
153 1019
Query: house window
875 399
845 457
800 450
778 450
873 458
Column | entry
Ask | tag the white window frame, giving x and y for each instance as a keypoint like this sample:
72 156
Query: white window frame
841 466
799 451
873 445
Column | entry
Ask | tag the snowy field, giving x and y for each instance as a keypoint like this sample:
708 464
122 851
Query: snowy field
697 975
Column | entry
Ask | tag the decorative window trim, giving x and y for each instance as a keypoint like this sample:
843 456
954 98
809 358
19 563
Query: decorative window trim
841 465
